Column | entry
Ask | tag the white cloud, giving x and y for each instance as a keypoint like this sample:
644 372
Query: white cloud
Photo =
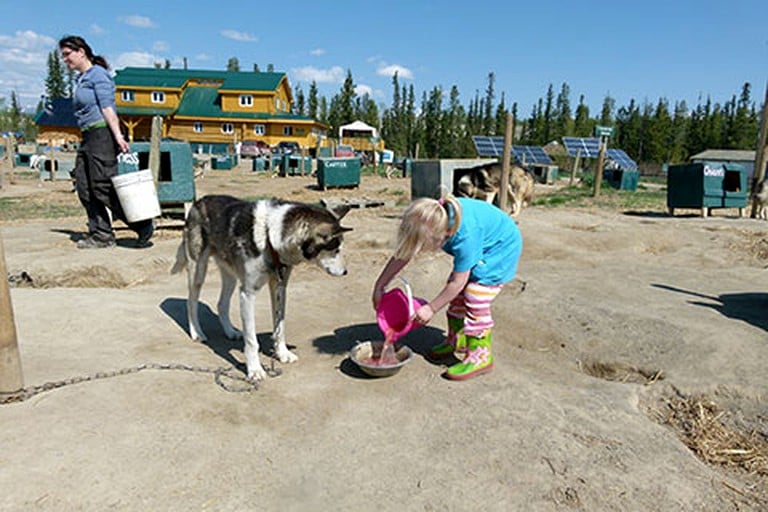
137 21
97 30
203 57
160 46
24 65
362 90
135 59
334 75
390 70
317 52
239 36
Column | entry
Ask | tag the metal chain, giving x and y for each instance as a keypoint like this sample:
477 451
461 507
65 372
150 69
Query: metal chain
220 374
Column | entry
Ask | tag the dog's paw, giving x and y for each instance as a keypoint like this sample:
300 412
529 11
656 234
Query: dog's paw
256 374
198 337
286 356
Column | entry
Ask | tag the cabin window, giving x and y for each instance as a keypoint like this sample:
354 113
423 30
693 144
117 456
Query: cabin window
227 128
127 96
258 129
246 100
158 97
197 127
287 130
277 104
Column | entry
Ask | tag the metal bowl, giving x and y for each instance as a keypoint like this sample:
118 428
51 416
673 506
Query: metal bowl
372 349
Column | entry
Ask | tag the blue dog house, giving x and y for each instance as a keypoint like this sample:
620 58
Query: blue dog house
707 185
176 180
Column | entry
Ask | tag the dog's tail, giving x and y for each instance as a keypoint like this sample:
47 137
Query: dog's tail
181 258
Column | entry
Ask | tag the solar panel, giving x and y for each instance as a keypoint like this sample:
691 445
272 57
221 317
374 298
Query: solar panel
589 147
531 155
488 146
622 159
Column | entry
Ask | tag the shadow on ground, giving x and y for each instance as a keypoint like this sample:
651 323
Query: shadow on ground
748 307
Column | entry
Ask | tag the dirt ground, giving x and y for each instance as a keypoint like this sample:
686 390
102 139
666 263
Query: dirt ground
630 373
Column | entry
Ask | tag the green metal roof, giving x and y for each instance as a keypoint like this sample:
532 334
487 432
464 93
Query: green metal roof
204 102
176 78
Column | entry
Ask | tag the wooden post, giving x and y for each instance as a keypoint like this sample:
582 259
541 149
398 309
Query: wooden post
761 152
51 156
599 170
11 151
506 157
11 379
576 163
3 160
154 147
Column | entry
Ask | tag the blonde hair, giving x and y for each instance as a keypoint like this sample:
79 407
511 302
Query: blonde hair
425 225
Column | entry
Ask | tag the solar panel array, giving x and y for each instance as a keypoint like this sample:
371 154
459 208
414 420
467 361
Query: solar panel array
622 159
488 146
589 147
493 146
531 155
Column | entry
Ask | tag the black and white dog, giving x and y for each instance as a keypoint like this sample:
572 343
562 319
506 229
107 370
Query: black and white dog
256 243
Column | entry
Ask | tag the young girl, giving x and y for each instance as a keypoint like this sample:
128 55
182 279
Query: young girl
486 245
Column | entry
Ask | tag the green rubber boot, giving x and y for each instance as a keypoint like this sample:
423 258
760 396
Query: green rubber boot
479 359
455 341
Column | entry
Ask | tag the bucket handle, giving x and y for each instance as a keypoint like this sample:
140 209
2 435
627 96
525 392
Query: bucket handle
409 295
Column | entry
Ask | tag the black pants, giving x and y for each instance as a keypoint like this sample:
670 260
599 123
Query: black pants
96 164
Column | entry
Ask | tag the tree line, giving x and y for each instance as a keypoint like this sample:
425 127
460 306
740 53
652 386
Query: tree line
439 124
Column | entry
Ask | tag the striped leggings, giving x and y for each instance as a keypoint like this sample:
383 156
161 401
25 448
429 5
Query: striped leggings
473 304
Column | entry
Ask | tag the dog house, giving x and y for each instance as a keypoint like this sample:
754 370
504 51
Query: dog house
622 179
176 180
429 176
707 185
545 173
338 172
295 165
260 164
221 162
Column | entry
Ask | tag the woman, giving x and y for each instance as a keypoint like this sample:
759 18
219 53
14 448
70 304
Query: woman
96 164
486 245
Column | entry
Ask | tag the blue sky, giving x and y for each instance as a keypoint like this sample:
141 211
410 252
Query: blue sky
673 49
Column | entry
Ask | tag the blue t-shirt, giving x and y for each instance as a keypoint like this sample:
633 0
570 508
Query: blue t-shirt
488 243
95 90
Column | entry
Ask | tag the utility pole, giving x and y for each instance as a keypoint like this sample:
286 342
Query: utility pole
507 156
761 152
11 379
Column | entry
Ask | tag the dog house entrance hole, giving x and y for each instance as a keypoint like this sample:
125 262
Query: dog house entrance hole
165 164
732 181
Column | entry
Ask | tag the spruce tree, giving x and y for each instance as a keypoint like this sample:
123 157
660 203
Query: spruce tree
55 86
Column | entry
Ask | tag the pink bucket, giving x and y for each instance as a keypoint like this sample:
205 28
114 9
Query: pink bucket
395 311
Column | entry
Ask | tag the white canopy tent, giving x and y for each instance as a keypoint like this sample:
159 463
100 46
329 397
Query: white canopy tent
355 129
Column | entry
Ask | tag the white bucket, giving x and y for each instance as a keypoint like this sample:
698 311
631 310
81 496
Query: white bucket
137 194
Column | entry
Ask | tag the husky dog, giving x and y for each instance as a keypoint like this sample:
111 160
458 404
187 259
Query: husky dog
256 243
484 181
760 197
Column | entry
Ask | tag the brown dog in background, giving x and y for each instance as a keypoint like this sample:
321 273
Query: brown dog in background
484 181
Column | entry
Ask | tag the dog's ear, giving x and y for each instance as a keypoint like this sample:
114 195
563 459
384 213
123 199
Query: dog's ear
339 210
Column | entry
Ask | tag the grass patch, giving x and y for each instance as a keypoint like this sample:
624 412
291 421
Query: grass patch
28 208
580 196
